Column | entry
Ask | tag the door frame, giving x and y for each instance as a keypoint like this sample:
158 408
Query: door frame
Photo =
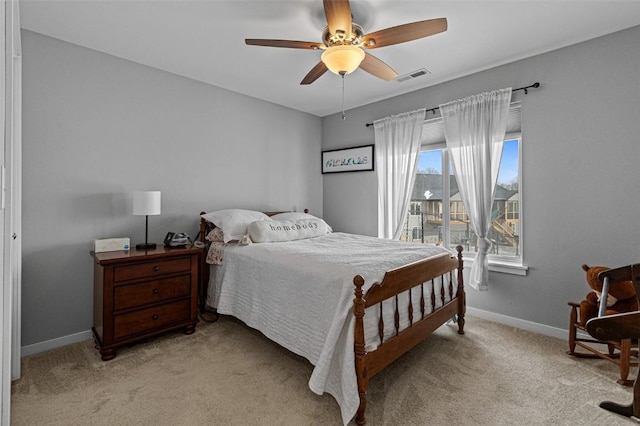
10 202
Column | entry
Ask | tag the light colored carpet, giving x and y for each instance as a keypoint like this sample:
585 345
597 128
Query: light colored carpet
228 374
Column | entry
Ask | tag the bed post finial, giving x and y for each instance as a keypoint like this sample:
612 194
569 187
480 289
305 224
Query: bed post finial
361 368
462 304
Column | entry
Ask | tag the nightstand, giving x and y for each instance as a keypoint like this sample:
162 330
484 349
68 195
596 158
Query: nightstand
141 293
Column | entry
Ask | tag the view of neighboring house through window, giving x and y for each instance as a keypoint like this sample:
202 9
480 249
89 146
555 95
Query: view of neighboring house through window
436 214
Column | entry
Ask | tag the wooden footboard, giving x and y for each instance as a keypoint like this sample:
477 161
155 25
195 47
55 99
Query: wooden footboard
424 273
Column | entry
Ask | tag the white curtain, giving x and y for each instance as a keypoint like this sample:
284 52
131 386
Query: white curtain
396 157
474 130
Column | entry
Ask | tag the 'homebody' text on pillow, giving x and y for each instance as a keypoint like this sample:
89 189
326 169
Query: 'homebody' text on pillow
272 231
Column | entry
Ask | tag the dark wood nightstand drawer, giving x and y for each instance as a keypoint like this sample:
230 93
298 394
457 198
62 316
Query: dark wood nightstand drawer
150 318
151 269
132 295
142 293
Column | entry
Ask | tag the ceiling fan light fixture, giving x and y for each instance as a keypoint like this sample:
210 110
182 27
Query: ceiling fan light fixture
342 59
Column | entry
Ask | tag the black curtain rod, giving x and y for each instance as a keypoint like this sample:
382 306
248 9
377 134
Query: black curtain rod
526 92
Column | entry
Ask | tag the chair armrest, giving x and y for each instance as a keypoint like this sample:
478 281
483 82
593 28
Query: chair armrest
615 327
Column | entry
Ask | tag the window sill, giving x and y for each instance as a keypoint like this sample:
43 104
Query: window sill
501 267
508 268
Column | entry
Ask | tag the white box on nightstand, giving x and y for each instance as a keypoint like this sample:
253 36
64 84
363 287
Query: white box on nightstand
111 244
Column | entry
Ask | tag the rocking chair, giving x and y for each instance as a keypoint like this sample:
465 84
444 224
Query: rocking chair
620 327
618 351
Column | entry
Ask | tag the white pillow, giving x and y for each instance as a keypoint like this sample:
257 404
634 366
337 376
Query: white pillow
292 216
234 222
298 216
273 231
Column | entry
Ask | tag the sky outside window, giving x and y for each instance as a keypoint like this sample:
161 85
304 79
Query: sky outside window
431 162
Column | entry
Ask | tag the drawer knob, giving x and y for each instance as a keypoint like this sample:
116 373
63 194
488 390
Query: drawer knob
156 268
155 317
155 291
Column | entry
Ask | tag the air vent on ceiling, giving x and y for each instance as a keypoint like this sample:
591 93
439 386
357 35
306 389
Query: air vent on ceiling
413 74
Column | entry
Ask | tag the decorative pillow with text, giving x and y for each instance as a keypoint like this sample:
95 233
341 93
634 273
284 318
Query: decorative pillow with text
273 231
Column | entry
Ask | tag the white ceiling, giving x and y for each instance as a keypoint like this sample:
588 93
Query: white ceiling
204 40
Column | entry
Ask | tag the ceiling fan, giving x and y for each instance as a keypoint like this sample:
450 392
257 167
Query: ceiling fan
344 43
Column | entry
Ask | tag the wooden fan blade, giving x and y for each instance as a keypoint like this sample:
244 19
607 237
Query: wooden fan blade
403 33
315 73
338 13
283 43
377 68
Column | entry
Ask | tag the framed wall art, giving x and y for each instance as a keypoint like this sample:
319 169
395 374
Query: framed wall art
356 159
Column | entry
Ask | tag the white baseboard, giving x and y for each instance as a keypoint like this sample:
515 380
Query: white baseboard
499 318
520 323
47 345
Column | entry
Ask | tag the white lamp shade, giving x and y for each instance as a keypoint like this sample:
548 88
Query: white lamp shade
146 203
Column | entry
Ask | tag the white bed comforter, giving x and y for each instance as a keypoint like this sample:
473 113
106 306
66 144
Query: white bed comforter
300 295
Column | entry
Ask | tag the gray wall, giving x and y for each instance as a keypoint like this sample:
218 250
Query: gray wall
581 147
96 128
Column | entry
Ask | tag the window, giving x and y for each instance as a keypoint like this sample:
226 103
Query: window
437 215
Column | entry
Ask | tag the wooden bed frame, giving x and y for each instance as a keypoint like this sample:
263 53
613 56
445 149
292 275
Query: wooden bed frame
423 273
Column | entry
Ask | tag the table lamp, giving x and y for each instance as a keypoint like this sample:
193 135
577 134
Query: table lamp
146 203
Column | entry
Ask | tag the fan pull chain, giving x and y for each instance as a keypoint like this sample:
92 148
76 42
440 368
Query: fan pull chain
344 117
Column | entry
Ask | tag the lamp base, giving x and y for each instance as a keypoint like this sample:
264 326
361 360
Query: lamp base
145 246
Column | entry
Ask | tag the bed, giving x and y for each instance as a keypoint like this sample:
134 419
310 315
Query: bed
349 304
